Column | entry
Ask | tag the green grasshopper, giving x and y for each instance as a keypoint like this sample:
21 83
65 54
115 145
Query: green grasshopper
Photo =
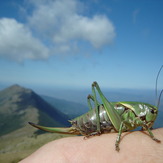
110 117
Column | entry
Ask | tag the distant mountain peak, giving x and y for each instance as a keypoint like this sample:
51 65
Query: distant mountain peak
15 88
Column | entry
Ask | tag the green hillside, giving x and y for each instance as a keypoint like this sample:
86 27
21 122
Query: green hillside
18 106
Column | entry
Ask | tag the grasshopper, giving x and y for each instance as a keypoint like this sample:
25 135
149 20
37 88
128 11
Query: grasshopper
109 117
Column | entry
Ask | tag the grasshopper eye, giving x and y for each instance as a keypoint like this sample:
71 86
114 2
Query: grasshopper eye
153 111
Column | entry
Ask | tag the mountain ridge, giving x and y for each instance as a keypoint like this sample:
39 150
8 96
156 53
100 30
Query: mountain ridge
18 105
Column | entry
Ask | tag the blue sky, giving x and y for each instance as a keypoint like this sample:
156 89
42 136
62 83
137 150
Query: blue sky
71 43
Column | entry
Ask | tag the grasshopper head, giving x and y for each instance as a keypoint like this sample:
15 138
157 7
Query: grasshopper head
151 114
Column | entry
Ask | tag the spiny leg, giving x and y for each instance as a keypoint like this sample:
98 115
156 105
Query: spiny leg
145 127
118 138
152 136
89 98
127 124
96 109
89 102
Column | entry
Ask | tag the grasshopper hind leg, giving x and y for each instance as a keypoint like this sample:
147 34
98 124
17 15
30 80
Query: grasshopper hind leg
94 99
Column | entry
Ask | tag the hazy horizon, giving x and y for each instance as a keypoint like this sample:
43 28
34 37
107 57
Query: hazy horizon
79 95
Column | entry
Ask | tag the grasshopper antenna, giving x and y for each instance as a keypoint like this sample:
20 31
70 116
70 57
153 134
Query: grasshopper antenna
158 103
158 99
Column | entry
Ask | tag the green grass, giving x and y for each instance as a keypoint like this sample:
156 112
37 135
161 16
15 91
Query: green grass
9 123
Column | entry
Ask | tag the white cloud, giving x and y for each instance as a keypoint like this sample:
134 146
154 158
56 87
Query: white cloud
17 42
58 23
61 22
98 30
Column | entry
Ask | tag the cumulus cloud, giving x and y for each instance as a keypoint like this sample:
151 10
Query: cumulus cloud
61 22
93 30
53 27
17 42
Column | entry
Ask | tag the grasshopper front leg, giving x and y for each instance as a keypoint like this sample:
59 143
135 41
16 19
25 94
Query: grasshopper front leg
141 123
152 136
